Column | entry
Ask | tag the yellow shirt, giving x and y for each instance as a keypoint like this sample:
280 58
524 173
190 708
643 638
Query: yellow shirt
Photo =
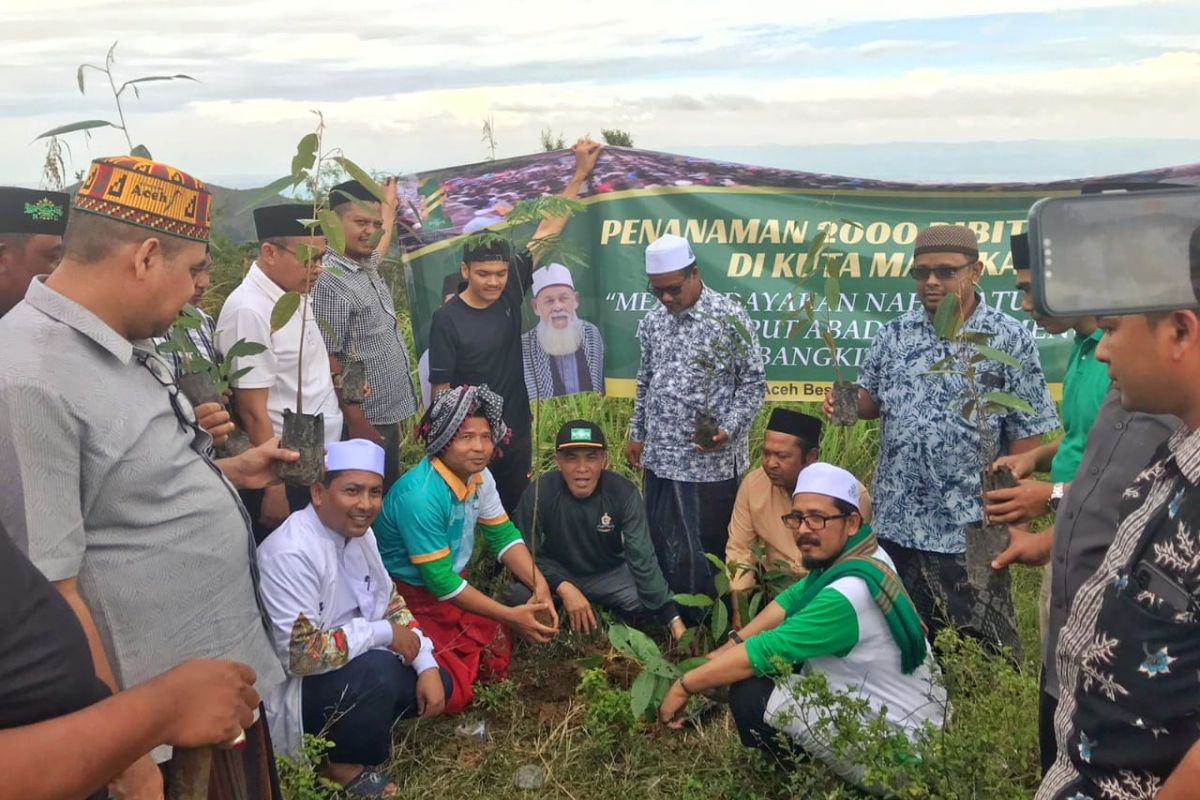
756 515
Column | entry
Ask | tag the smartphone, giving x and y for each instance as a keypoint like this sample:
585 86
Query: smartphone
1150 578
1115 253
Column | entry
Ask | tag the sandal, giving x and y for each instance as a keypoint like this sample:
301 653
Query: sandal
370 783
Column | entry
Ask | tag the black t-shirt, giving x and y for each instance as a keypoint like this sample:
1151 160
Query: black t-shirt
46 668
470 346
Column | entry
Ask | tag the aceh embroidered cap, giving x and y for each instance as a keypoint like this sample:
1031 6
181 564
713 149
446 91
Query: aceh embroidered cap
551 275
831 481
148 194
668 253
33 211
580 433
354 454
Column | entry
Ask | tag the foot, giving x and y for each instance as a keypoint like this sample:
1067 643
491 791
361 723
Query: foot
359 781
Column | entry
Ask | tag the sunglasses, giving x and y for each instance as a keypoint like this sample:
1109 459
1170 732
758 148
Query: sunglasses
184 411
921 274
662 291
815 522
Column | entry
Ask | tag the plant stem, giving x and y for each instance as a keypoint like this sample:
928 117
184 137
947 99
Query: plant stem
117 99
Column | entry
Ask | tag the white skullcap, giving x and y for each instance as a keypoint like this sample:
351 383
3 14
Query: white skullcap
551 275
670 253
831 481
354 454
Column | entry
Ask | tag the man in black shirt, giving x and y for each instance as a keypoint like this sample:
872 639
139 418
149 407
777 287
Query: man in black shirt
591 539
475 338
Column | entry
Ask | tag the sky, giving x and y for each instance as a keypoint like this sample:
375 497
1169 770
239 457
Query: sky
861 87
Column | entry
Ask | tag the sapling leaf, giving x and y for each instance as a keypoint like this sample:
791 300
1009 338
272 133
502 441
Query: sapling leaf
306 155
362 176
685 641
79 78
641 693
618 637
694 600
719 622
813 257
1008 401
268 191
827 337
999 356
235 375
744 611
331 227
689 664
244 347
976 337
285 308
85 125
721 582
755 605
716 562
947 321
170 347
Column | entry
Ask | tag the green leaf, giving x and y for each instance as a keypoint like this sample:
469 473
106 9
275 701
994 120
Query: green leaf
306 253
170 347
755 604
285 308
721 581
976 337
689 664
947 321
331 228
744 607
268 191
234 376
244 347
641 693
1009 401
999 356
719 622
590 662
85 125
618 637
359 174
685 641
968 410
694 600
716 562
152 79
306 155
827 337
815 251
141 151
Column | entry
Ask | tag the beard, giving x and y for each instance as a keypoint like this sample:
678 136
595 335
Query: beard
563 342
810 563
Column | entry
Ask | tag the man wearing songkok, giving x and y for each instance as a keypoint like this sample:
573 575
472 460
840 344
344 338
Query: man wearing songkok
32 222
427 535
690 488
849 619
289 369
562 354
592 541
791 442
476 338
355 658
354 303
102 481
927 481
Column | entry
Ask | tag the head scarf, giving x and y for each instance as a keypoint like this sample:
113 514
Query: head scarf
452 407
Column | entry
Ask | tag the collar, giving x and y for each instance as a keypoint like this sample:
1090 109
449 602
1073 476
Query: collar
1094 337
1185 449
702 305
309 515
62 309
258 279
347 263
460 491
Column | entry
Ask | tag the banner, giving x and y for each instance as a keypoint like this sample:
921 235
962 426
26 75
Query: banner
751 229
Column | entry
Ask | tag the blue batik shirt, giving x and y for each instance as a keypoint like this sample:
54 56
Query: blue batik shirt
927 480
670 389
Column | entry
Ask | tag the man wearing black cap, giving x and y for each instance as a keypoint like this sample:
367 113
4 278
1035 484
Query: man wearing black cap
31 229
354 304
591 539
791 443
285 369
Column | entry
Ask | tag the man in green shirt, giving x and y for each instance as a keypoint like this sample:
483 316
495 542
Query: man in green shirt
849 619
591 539
1084 386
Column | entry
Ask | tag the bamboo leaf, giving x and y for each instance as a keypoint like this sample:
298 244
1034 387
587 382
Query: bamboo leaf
641 693
85 125
306 155
359 174
947 321
331 227
999 356
285 308
272 188
1008 401
694 600
79 78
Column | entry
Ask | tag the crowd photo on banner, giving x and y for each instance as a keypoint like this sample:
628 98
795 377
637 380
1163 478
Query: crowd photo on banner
299 525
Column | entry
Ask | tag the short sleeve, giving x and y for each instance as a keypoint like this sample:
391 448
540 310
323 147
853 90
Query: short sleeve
827 626
245 323
333 311
443 347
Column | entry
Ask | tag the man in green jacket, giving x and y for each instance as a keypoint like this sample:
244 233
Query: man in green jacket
591 539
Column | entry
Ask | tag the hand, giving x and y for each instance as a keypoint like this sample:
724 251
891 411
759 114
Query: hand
1028 500
361 429
1022 464
366 391
541 594
633 454
431 694
391 200
405 643
827 405
213 418
1031 549
275 508
677 629
141 780
206 702
255 468
577 608
586 153
670 713
524 619
717 443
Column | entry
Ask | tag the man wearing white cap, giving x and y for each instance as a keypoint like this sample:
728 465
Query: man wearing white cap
848 619
699 357
355 658
562 354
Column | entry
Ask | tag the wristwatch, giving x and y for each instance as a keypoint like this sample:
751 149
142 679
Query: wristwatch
1056 496
736 637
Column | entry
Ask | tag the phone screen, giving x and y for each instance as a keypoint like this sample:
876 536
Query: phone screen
1109 254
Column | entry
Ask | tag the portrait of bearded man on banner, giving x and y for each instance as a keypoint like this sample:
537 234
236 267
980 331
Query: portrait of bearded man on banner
562 354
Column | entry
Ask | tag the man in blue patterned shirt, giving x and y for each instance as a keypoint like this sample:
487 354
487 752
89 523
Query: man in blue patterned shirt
697 347
927 480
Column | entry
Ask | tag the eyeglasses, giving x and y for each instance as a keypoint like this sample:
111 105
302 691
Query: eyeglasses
815 522
921 274
184 411
662 291
317 254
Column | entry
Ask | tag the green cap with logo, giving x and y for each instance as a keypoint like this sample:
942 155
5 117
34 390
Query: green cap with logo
580 433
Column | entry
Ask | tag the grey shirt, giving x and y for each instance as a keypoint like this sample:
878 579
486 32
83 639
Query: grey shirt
100 480
1119 446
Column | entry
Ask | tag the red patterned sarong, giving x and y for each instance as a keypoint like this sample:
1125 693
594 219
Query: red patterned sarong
470 647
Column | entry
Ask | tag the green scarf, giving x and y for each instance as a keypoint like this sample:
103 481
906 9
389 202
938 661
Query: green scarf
857 560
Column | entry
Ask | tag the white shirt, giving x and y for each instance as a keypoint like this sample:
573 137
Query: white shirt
314 578
247 315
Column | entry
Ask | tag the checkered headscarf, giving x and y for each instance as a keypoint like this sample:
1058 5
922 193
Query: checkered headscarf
452 407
